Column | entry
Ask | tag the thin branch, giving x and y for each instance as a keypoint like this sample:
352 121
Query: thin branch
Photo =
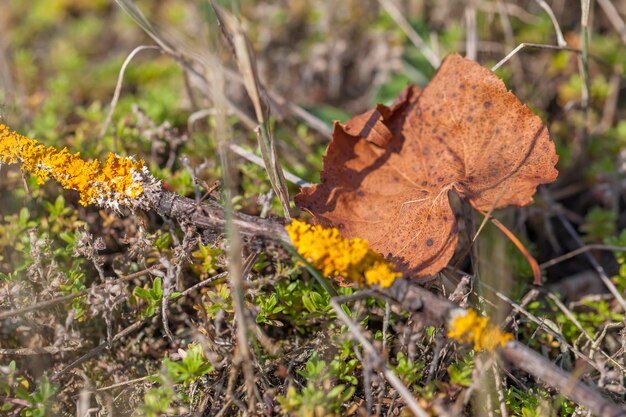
392 9
560 40
579 251
127 331
294 179
436 310
391 377
521 46
118 86
69 297
613 15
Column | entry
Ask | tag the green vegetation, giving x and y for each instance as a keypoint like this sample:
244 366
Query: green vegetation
108 272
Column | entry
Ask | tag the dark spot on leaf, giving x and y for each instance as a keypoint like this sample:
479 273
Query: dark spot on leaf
429 242
470 119
487 104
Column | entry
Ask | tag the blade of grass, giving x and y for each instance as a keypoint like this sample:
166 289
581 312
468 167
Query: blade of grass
234 33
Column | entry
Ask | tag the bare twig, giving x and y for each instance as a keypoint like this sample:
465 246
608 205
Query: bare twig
391 377
69 297
533 363
118 86
127 331
583 61
45 350
613 15
235 34
392 9
592 260
294 179
471 39
436 310
236 269
560 40
579 251
521 46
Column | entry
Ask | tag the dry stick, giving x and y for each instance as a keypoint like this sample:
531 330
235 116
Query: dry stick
560 40
535 364
122 384
584 65
558 336
236 269
374 354
510 9
613 15
166 288
294 179
592 260
207 215
471 39
531 296
242 49
45 350
103 346
579 251
118 86
436 310
499 384
526 299
521 46
569 315
55 301
610 104
392 9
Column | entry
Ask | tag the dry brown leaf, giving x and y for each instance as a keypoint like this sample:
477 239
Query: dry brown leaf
387 172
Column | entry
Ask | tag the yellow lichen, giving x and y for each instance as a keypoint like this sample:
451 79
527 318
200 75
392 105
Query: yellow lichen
466 326
352 259
109 184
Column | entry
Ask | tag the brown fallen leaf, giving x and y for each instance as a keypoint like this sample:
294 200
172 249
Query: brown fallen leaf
387 172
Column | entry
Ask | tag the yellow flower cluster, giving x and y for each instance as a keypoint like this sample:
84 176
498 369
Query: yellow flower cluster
352 259
466 326
110 184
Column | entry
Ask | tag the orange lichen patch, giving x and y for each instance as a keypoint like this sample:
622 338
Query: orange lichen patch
351 259
109 184
466 326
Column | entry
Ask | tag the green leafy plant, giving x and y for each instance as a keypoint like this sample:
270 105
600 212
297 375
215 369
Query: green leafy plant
156 401
191 366
461 372
409 371
535 403
599 224
36 403
320 396
219 299
151 296
268 308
